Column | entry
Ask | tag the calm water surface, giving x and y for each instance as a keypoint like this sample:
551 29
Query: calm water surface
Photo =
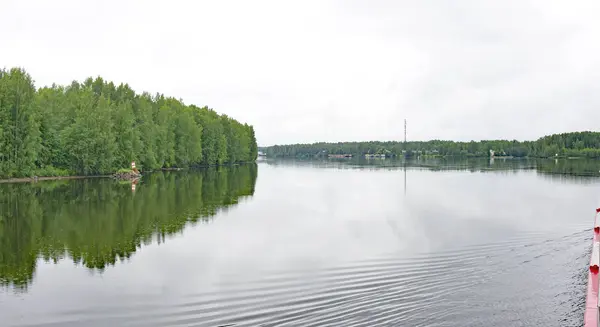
319 243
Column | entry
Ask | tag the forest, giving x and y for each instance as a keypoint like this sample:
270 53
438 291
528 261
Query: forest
576 144
96 127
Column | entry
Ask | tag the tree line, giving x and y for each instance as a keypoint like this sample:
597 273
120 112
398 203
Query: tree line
59 220
97 127
576 144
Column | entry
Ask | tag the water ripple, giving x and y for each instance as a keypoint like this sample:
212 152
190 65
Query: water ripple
468 286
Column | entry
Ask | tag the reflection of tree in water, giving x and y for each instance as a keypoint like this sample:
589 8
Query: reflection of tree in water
568 169
572 167
98 221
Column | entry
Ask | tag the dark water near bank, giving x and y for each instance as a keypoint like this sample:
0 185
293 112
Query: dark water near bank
304 243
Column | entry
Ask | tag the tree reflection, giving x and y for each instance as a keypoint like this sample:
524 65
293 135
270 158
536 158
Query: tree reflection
97 222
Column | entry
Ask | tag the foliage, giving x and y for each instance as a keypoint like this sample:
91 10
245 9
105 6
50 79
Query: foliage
577 144
50 171
96 127
19 130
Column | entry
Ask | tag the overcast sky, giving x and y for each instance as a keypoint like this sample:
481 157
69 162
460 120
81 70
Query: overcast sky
306 71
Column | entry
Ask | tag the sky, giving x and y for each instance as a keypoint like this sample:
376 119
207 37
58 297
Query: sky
332 70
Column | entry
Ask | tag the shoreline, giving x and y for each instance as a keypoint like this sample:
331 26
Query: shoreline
47 178
53 178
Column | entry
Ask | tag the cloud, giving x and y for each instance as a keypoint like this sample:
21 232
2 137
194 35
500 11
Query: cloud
332 70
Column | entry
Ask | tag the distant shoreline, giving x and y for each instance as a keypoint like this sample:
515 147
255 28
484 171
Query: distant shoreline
429 156
585 144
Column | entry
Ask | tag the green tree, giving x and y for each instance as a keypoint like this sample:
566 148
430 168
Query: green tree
90 141
126 135
20 138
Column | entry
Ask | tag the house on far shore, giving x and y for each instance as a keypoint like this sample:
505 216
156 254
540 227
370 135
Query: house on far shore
339 155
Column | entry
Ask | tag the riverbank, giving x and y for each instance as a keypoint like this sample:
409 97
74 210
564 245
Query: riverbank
52 178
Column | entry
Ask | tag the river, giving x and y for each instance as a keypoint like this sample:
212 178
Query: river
304 243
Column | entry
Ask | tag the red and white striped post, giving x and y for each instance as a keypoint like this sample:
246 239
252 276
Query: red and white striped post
134 182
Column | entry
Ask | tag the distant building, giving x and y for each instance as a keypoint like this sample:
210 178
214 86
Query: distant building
492 153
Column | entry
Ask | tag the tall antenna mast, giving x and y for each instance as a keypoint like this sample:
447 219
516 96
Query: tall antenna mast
404 132
405 154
